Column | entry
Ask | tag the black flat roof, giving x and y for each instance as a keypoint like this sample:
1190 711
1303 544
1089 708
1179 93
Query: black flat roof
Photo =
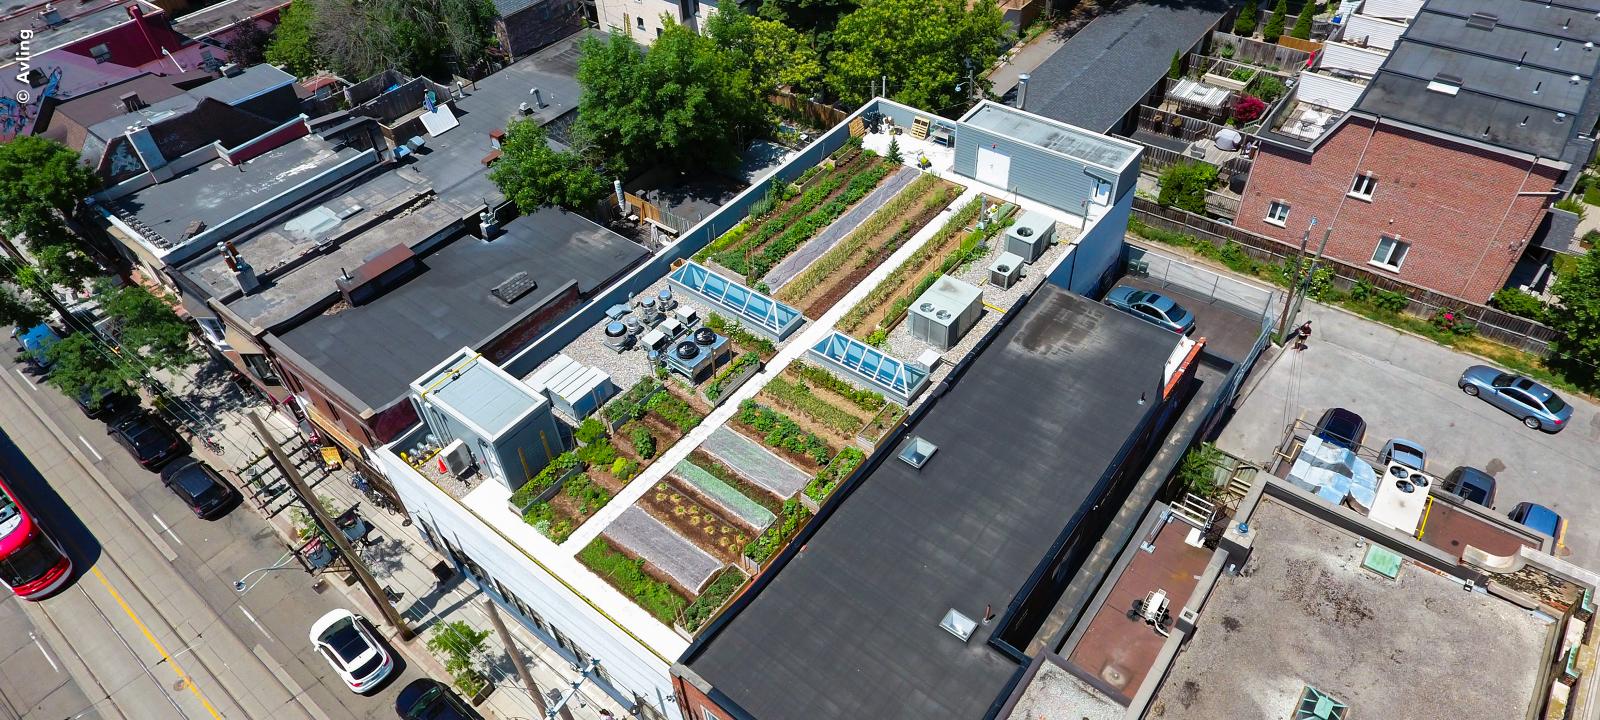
849 628
1105 69
374 351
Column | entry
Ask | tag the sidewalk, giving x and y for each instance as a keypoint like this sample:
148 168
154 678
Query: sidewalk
397 557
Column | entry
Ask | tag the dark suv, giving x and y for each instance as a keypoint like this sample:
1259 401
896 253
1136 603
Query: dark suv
1341 427
150 440
199 487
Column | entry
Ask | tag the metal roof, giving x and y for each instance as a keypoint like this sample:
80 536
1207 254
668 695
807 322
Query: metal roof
1052 135
478 392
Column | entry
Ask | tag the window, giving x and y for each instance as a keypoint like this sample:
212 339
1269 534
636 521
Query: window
1363 186
1390 253
1277 213
262 368
639 21
100 53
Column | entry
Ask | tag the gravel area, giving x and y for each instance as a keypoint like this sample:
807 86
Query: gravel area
660 546
904 347
1056 693
448 482
760 465
830 236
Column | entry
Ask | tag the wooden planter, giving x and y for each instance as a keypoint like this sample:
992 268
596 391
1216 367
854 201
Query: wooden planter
545 494
733 383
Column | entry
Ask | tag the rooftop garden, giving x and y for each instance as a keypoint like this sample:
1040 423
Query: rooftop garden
588 477
846 264
742 339
792 517
835 409
956 243
628 576
717 594
660 409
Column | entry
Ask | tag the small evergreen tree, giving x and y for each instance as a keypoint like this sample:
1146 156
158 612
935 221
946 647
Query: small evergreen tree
894 155
1249 16
1177 65
1302 24
1274 28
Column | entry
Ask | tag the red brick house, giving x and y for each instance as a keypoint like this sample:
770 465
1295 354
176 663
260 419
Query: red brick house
1438 168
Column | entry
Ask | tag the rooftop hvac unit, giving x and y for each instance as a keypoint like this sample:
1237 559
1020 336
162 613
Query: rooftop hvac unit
1030 236
945 312
457 458
617 336
1006 270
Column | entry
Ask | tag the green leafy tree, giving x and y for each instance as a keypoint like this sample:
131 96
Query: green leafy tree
43 179
684 102
82 365
1274 28
931 51
1184 186
1302 24
807 16
775 53
1249 17
1577 320
293 42
145 323
533 174
1176 71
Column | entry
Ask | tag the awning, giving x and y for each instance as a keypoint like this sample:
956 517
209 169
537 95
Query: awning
1196 93
331 429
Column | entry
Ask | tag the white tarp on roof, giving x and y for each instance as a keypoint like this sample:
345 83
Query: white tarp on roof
1197 93
439 121
1334 474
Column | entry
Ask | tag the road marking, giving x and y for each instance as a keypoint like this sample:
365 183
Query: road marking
297 692
25 379
151 638
47 658
166 529
253 621
86 444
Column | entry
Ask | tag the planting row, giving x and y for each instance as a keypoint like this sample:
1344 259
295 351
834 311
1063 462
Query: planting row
767 218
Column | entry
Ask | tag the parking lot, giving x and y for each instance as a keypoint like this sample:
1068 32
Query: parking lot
1405 386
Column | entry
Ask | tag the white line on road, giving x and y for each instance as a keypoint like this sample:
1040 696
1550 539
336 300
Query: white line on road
46 655
86 444
252 620
25 379
166 529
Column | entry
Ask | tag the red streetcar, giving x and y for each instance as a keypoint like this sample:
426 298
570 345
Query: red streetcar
31 563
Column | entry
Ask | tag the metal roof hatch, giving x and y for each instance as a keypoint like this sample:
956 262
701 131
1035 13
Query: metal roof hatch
1317 705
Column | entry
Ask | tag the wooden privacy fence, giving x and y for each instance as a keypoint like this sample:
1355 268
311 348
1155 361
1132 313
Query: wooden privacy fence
1518 332
819 115
1261 53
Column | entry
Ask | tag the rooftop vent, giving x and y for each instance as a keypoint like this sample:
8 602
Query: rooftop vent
958 625
916 452
130 101
1317 705
514 287
1446 84
1482 21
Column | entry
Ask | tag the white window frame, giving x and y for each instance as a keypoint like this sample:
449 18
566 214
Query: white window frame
1387 262
1366 179
1279 221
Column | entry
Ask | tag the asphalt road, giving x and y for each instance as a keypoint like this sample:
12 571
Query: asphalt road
1405 387
150 626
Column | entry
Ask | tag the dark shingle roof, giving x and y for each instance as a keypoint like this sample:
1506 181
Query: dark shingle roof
1105 69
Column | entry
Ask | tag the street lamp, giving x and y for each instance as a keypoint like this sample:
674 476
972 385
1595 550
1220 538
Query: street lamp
242 584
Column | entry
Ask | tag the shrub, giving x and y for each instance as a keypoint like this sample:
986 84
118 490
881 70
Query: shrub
1245 24
624 469
1452 322
1572 205
1267 87
589 496
590 430
709 601
1226 51
1274 28
1197 470
824 483
598 454
628 576
740 336
1390 300
643 442
1302 24
886 289
1520 303
764 547
464 654
1176 70
1248 108
894 155
1184 186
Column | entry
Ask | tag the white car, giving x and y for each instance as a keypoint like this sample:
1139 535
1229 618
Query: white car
343 638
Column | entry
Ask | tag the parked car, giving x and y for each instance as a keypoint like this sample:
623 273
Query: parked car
1404 452
104 404
1341 427
34 344
151 441
429 699
344 640
1151 307
1470 484
1537 406
1540 518
199 487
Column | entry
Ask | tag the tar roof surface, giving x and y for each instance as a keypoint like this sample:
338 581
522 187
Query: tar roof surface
453 161
255 80
1054 136
850 626
79 23
1305 612
1105 69
1516 83
375 350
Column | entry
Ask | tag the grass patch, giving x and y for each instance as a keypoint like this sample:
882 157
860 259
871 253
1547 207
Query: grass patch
627 575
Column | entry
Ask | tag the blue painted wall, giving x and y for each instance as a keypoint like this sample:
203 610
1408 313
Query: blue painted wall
1087 268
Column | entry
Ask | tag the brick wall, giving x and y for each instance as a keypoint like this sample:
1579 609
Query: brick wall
1456 205
694 704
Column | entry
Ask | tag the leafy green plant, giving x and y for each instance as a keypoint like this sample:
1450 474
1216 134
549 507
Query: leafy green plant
799 398
1572 205
631 404
1226 51
549 521
674 411
829 478
465 655
820 377
742 337
644 443
714 388
590 430
597 454
624 469
1197 471
716 593
1519 303
782 433
764 547
1268 87
627 575
1242 73
588 496
545 478
1184 185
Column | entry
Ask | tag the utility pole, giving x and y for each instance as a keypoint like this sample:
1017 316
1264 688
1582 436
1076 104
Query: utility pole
516 655
1283 320
330 529
1311 269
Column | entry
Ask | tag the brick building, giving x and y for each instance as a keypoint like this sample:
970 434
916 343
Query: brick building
1437 163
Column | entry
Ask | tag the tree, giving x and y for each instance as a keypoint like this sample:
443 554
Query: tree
533 174
249 44
1248 108
46 184
684 102
1274 28
775 53
145 323
1184 186
931 50
1576 318
80 366
806 16
293 43
1249 17
894 154
1302 24
1176 71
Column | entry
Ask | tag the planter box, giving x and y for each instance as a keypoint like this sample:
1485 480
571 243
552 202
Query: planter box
807 503
733 383
483 695
545 494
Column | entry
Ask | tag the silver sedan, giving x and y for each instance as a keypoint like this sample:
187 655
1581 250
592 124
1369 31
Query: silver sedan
1537 406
